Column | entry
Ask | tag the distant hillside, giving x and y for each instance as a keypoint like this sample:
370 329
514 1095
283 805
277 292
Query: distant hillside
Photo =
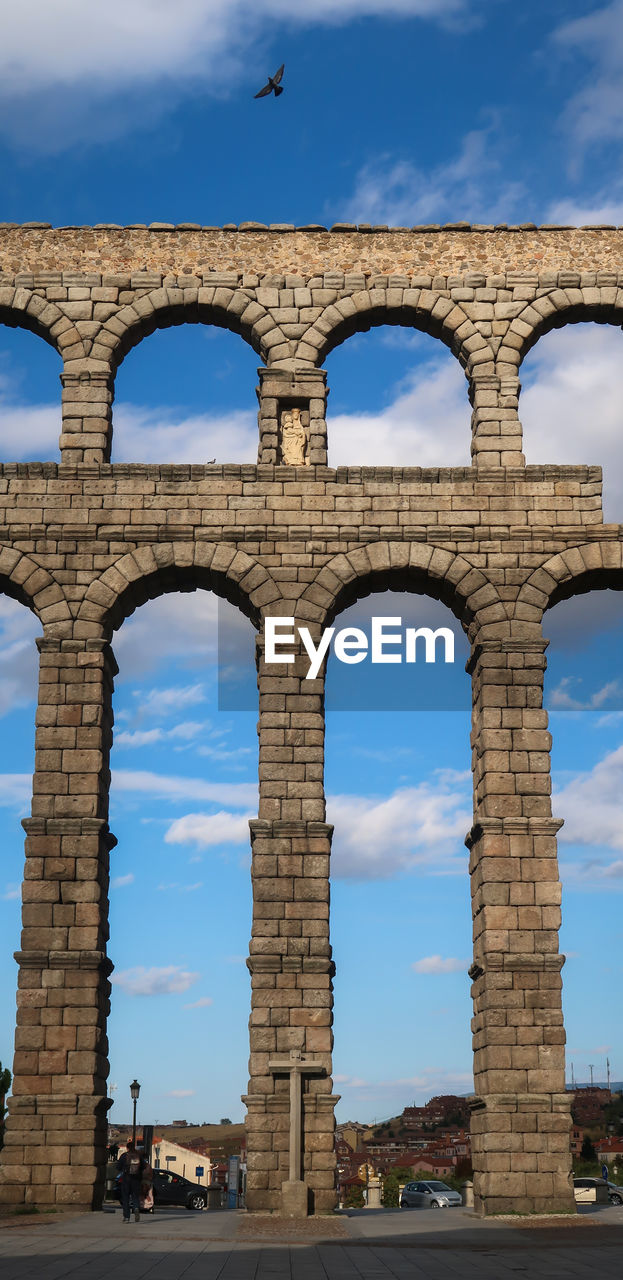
222 1139
616 1086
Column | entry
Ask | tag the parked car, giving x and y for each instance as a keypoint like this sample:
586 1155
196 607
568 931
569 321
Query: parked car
172 1189
428 1195
615 1193
591 1191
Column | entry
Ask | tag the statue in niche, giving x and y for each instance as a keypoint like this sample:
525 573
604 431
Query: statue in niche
294 439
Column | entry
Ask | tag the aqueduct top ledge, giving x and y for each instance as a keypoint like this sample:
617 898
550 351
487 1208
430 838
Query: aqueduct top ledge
252 247
295 293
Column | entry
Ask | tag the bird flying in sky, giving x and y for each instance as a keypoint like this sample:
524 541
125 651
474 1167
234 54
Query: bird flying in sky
274 83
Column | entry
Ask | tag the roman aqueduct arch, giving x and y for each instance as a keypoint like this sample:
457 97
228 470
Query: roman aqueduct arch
499 548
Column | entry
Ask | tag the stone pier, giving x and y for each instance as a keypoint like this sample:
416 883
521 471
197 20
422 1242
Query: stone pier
85 540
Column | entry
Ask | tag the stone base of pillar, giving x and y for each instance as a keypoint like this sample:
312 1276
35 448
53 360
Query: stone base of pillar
294 1200
268 1123
55 1152
520 1153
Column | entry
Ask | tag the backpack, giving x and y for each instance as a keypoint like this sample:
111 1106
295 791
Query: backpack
134 1163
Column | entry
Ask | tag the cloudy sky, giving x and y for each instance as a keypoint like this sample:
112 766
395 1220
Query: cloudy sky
395 111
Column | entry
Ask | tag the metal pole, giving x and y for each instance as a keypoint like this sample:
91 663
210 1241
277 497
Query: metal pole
134 1122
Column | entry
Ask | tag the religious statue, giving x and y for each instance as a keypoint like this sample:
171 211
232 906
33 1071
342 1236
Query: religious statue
293 439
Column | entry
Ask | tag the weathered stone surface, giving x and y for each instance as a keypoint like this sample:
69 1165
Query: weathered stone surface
85 542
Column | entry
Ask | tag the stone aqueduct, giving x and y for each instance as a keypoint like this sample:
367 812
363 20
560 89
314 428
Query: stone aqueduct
84 542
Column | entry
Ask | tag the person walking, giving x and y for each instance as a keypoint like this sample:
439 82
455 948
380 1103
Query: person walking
130 1167
147 1188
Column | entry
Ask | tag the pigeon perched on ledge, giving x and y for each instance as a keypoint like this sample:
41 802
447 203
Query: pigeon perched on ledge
274 83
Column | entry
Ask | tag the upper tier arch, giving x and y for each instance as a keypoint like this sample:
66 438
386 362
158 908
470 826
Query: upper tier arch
421 309
161 308
590 566
556 309
22 309
152 571
25 580
396 566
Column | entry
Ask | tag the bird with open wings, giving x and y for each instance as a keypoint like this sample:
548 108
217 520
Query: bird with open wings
274 84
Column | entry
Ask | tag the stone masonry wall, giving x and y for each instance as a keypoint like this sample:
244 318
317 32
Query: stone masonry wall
85 541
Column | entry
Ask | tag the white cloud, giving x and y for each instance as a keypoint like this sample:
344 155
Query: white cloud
29 431
19 660
154 982
15 791
591 806
186 730
138 738
162 702
241 795
205 830
202 1003
180 888
397 193
88 73
428 422
571 405
141 434
604 207
180 1093
76 44
595 112
419 827
120 882
431 1081
220 753
12 891
150 435
614 871
436 965
561 699
183 626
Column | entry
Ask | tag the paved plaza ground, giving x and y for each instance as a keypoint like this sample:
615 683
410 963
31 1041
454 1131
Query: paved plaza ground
423 1244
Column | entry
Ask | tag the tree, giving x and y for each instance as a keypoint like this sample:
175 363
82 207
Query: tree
463 1170
391 1186
588 1151
613 1113
5 1085
354 1197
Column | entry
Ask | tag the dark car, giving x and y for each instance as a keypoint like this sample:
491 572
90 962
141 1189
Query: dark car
615 1193
171 1188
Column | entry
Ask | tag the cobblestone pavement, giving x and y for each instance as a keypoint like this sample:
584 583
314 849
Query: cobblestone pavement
387 1245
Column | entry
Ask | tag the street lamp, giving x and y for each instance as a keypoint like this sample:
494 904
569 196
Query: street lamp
135 1089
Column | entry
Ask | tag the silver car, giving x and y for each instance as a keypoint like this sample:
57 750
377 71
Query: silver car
590 1191
428 1195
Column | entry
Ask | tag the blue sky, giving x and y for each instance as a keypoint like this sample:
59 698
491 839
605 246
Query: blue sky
398 112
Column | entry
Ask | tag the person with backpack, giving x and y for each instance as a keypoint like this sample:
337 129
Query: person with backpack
130 1167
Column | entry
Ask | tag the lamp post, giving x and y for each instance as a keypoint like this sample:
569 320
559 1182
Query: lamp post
135 1089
